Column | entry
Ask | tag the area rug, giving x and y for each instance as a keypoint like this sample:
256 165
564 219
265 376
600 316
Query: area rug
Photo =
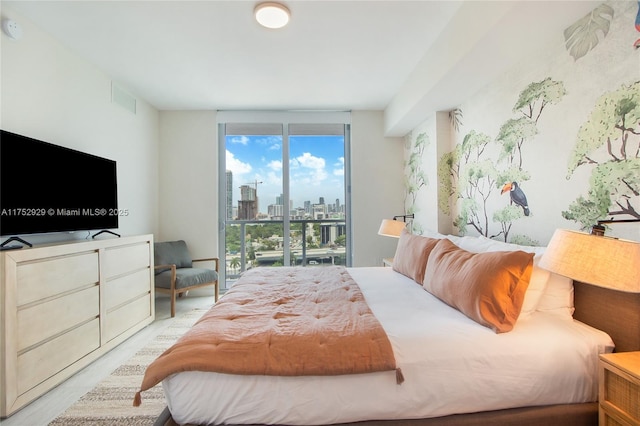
111 401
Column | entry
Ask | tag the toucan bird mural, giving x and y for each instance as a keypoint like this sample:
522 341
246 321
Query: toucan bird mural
517 196
637 43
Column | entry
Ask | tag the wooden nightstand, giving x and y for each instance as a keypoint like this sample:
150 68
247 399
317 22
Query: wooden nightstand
387 261
619 389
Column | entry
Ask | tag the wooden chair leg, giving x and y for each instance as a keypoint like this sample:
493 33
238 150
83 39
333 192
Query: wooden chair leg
173 303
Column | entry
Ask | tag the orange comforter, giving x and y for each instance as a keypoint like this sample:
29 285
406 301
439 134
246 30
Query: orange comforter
287 321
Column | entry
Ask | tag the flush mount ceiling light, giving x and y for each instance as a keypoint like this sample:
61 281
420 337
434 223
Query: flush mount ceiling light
272 15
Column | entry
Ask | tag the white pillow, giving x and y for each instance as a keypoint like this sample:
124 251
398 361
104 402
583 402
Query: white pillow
433 234
557 298
472 244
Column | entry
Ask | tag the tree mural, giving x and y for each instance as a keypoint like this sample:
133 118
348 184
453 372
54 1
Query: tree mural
415 177
609 142
475 182
472 176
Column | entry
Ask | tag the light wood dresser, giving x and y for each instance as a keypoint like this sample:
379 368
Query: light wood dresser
619 382
62 306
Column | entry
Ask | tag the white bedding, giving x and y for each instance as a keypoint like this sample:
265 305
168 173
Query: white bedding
450 364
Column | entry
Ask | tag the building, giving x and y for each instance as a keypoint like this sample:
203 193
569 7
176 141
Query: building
248 203
330 231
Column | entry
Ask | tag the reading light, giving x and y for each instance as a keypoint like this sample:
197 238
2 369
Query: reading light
393 228
404 217
599 228
272 15
594 259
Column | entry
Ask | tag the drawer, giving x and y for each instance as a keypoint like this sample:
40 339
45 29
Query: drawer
122 260
42 321
126 316
127 287
622 394
46 278
607 420
42 362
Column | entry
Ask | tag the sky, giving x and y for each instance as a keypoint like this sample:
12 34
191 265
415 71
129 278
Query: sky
316 165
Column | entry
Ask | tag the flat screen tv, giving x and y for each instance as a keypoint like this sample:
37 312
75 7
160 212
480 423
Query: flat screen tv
48 188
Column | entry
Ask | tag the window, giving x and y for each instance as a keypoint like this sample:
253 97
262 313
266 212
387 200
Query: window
284 197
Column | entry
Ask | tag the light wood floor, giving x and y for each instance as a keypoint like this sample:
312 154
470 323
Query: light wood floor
49 406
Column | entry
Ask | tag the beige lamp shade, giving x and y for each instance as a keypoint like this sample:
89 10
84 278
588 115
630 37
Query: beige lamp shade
391 228
598 260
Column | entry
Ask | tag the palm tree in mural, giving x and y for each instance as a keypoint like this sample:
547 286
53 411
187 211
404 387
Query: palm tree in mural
609 142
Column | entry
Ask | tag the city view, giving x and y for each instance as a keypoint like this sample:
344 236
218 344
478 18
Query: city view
255 205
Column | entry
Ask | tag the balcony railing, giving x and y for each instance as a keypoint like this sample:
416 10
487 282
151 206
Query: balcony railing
306 247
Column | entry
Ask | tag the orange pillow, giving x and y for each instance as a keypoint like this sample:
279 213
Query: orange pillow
412 254
487 287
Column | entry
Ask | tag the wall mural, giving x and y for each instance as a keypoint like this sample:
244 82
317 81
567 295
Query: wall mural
472 175
582 36
415 176
488 179
609 143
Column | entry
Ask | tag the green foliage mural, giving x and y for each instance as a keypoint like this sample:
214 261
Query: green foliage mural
455 116
471 175
582 36
609 142
415 177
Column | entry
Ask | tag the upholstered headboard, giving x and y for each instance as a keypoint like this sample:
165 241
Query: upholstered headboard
614 312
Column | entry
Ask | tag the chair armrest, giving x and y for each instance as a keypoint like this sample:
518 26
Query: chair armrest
209 259
172 266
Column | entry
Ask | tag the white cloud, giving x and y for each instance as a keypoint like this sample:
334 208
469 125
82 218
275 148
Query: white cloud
236 166
339 167
243 140
274 178
275 165
311 162
308 170
273 142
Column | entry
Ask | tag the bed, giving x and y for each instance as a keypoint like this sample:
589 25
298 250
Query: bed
533 361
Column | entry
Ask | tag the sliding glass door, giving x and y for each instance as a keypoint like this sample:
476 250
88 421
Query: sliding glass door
283 197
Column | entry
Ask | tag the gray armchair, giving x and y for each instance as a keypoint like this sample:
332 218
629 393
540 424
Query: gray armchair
175 273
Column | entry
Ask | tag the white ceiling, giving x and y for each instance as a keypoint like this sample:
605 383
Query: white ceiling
406 57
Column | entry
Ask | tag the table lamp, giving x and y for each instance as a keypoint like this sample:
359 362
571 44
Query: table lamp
594 259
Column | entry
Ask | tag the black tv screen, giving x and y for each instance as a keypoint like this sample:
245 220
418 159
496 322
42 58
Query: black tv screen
49 188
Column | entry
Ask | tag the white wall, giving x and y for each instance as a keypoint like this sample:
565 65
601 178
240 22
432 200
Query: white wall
48 93
376 186
189 180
